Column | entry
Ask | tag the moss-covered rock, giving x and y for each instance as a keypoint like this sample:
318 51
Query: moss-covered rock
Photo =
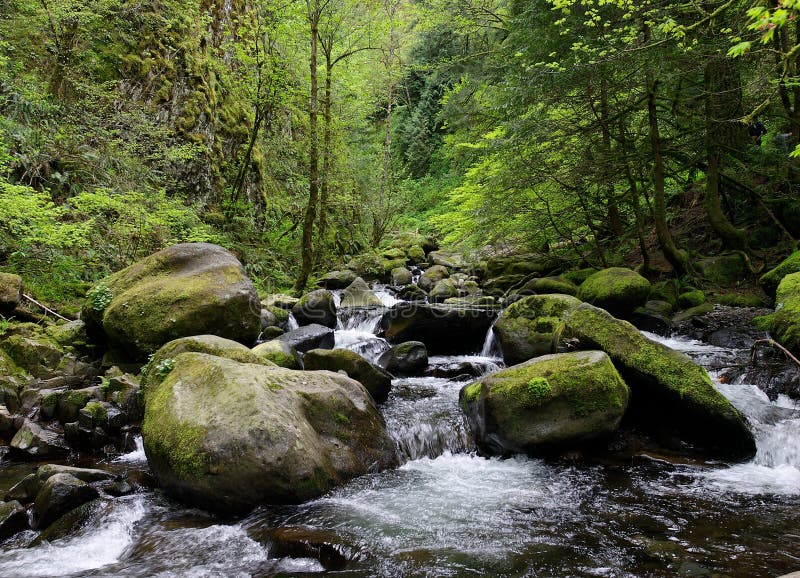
228 436
367 266
432 276
448 259
316 307
408 358
444 289
337 279
691 299
665 291
279 301
740 300
377 381
401 277
10 292
162 361
187 289
578 276
549 285
770 280
522 264
617 290
71 333
280 353
724 270
38 357
785 323
695 311
412 293
670 393
549 403
532 326
499 286
358 294
32 440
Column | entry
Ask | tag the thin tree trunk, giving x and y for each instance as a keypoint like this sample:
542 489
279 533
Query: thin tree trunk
675 257
307 247
614 218
326 150
637 209
241 175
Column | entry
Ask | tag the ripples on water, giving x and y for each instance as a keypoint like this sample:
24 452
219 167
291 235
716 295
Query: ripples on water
448 512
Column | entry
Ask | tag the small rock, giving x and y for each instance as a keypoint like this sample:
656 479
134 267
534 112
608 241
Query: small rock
309 337
405 359
35 441
60 494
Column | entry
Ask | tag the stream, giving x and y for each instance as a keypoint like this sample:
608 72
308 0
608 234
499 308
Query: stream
448 512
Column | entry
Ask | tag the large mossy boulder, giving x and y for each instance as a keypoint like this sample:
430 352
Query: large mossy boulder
228 436
549 285
432 276
617 290
11 287
785 326
443 290
670 394
367 266
724 270
401 276
358 294
532 326
161 362
522 264
337 279
187 289
377 381
770 280
449 259
316 307
38 356
550 403
444 329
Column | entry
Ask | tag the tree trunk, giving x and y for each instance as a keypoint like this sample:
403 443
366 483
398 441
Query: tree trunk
614 218
326 150
307 247
634 190
722 104
675 257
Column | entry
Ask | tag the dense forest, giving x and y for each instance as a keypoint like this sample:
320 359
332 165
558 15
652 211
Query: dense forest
610 131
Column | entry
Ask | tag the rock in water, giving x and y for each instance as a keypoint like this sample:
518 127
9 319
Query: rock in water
13 519
337 279
187 289
228 436
669 392
309 337
532 326
317 308
431 276
408 358
549 403
33 440
60 494
617 290
375 379
358 294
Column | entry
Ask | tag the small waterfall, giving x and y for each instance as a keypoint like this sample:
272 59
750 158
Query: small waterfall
356 330
292 323
136 456
491 348
387 298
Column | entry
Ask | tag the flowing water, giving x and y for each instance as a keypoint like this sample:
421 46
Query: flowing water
448 512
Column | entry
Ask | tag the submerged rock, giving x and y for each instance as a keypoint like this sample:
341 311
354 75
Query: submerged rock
669 392
187 289
377 381
532 326
549 403
617 290
228 436
321 545
317 308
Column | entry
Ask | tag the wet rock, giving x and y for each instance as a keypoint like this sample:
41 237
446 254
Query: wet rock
268 319
280 353
309 337
337 279
532 326
271 333
358 294
412 293
549 403
444 329
88 475
32 440
317 308
297 434
7 425
617 290
432 276
13 519
472 301
68 524
321 545
119 488
408 358
443 290
401 277
670 393
60 493
653 322
125 391
377 381
10 292
187 289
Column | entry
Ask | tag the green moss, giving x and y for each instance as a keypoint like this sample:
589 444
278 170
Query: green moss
691 299
579 276
472 392
616 289
97 411
770 280
785 326
739 300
